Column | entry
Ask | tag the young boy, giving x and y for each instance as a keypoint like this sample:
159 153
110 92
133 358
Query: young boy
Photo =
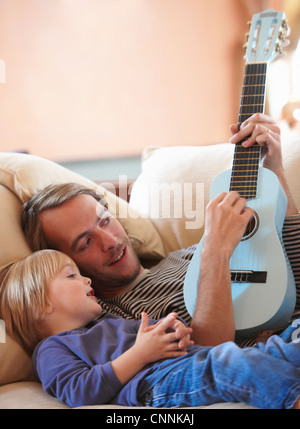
84 357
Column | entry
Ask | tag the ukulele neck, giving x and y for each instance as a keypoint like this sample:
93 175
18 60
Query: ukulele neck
244 177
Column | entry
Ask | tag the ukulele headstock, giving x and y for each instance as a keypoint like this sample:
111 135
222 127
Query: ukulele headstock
267 37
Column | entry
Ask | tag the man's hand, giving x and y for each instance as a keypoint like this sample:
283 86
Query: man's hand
264 130
261 129
225 223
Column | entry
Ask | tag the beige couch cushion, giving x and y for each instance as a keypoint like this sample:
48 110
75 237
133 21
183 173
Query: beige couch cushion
15 364
173 187
28 395
13 244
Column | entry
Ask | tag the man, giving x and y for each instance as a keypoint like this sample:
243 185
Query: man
70 219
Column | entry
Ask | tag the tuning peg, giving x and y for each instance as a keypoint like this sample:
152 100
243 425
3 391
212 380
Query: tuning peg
247 35
281 55
278 51
284 23
245 46
249 23
286 28
283 41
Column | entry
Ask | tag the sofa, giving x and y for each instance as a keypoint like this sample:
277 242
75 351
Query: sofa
165 212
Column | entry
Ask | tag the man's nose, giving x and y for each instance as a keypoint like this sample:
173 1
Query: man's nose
107 240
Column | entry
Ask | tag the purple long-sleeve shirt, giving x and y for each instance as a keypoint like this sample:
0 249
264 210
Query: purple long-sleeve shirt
75 366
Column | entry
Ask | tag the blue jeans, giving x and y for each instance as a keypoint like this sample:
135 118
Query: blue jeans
264 376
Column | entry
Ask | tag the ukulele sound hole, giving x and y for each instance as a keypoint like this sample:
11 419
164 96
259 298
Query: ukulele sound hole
252 227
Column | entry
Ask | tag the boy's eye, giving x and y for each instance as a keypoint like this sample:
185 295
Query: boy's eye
72 276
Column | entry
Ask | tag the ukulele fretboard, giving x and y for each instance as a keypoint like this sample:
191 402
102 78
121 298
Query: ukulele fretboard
244 177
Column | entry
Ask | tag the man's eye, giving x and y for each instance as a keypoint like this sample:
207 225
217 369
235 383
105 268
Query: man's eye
106 220
85 245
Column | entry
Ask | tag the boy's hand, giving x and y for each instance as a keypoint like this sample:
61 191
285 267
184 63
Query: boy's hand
183 334
159 341
152 343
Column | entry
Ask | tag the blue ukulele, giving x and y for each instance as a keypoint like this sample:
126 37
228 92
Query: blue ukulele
263 287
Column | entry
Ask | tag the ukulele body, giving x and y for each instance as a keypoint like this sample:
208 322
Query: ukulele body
263 287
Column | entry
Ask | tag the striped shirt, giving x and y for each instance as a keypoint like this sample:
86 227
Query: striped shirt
159 290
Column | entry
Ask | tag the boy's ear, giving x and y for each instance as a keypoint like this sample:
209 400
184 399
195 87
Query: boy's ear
46 312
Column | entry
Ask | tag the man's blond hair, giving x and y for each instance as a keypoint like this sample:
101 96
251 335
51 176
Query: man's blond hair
52 196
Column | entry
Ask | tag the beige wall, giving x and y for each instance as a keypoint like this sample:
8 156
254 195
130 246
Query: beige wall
100 78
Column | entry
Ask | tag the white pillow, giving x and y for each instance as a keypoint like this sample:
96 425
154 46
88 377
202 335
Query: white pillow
189 171
173 189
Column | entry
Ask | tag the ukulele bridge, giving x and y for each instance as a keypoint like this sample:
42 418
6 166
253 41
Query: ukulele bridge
248 276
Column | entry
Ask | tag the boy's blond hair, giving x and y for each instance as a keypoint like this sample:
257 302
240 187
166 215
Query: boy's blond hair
24 295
